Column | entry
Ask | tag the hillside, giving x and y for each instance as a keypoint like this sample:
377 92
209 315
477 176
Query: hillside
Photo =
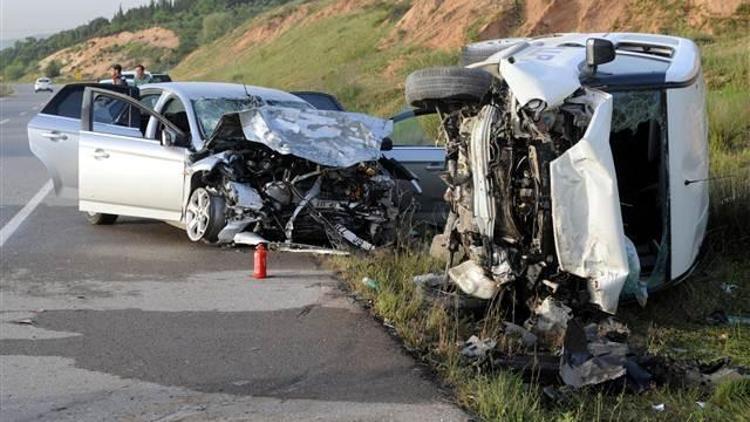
361 50
193 22
153 47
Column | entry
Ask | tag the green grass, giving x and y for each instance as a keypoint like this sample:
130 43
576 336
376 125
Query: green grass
339 54
5 90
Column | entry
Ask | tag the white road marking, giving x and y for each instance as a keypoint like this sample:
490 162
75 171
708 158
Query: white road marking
7 231
4 121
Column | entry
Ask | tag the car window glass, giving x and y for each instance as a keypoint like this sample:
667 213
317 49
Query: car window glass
320 101
117 117
416 130
150 100
208 111
175 112
66 103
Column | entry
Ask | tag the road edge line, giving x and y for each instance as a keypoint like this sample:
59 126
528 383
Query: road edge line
14 223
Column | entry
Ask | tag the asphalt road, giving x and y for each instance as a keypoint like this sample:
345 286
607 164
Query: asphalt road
133 321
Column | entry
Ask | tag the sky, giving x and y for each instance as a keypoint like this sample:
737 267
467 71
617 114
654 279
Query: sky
22 18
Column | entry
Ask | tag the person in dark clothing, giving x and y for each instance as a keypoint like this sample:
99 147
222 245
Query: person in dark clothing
116 74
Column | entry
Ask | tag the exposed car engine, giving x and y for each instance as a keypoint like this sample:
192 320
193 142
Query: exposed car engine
300 188
501 224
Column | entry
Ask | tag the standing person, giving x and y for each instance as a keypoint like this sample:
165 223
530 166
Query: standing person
141 77
116 74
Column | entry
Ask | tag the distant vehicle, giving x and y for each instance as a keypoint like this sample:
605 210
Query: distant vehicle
129 75
43 84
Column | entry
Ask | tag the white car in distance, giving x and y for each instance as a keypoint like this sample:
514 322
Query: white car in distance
43 84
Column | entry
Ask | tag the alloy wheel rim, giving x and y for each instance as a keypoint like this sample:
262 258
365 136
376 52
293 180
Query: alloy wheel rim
197 216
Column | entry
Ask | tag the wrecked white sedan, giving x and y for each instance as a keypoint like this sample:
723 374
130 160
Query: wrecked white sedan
220 159
577 166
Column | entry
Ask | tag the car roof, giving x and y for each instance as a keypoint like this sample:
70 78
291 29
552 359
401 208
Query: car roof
195 90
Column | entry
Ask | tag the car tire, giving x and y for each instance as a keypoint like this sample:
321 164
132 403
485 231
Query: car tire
204 216
426 88
100 219
480 51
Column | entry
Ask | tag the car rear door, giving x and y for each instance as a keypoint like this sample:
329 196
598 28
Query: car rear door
53 135
124 170
414 145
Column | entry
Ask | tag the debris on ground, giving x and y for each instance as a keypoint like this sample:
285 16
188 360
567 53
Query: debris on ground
721 318
528 339
430 280
550 321
589 358
728 288
25 321
371 283
658 407
477 349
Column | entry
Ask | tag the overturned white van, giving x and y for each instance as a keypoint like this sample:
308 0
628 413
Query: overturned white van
577 165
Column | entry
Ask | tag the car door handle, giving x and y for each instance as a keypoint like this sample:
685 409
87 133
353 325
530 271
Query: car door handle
54 136
100 154
435 167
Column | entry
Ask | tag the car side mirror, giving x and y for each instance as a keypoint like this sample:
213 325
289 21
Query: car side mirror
170 138
386 144
598 51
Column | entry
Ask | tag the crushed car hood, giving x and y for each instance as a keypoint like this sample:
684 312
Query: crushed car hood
329 138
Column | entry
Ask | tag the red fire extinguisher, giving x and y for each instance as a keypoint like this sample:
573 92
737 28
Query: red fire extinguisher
259 264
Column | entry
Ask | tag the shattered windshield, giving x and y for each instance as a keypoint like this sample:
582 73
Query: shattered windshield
208 111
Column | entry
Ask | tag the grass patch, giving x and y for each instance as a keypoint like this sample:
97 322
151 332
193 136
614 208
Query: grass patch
5 90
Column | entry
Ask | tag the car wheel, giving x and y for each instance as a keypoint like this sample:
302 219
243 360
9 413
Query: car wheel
204 216
447 85
99 219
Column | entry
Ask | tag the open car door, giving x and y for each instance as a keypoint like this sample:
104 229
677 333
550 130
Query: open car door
53 133
414 146
131 159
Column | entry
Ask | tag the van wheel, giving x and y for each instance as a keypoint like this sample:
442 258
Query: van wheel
204 216
447 86
99 219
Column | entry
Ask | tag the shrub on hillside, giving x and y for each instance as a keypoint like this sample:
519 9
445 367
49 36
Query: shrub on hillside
53 68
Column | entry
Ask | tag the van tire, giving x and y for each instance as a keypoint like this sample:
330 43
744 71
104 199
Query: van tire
427 88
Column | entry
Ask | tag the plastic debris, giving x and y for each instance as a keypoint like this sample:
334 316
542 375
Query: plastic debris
474 348
658 407
431 280
701 404
721 318
26 321
527 337
550 321
369 282
728 288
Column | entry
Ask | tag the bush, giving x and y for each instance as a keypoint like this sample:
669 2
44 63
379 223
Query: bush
14 71
214 26
53 68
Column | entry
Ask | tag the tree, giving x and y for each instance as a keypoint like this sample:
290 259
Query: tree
214 26
53 68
